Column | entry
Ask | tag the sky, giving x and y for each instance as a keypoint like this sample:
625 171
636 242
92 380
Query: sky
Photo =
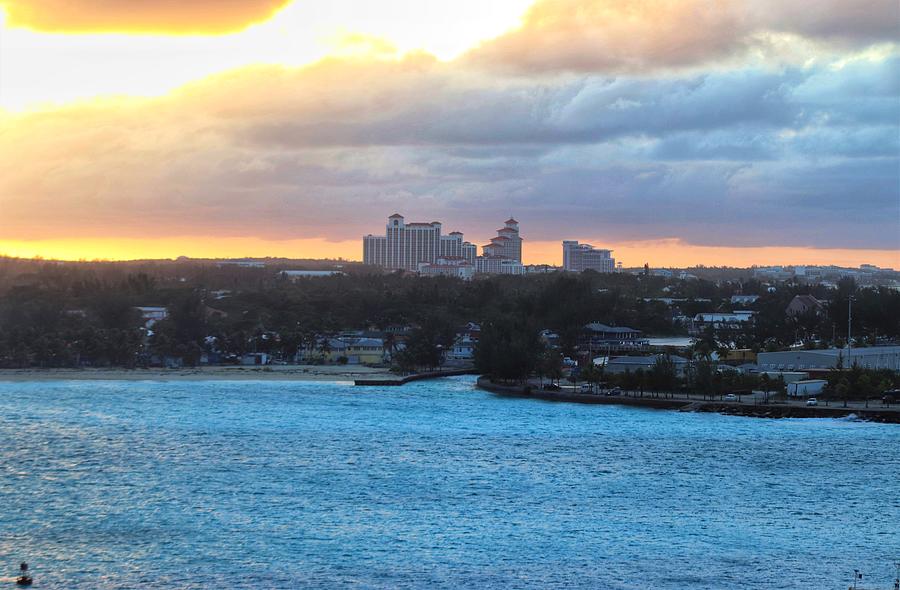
675 132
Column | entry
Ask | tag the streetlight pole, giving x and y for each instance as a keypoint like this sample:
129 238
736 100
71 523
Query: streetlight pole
849 326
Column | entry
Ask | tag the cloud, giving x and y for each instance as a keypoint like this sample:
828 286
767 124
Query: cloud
615 36
747 157
144 16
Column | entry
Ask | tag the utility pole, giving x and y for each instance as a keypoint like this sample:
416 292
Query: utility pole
849 326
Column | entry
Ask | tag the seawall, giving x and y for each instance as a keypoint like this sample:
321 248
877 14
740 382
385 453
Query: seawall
884 415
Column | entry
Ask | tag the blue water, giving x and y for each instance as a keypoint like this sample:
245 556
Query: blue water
432 485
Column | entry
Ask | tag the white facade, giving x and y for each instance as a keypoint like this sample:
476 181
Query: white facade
872 357
449 266
406 245
806 388
744 299
375 250
580 257
151 315
507 243
498 265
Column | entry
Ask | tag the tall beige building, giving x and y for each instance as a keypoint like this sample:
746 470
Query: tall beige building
580 257
507 243
407 245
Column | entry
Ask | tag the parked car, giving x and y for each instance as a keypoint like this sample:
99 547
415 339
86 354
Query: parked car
891 396
812 402
614 391
731 398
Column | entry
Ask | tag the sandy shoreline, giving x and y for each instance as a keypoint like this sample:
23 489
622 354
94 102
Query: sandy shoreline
231 373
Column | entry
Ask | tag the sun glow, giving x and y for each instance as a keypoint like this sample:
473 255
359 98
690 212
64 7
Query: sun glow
49 68
658 253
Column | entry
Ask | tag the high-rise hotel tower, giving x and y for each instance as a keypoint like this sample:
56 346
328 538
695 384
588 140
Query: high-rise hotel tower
406 245
507 244
580 257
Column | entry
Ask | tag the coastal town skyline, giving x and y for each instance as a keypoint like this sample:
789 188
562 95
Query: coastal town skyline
671 253
452 294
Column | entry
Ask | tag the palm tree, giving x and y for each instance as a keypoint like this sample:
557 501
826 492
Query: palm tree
325 348
390 345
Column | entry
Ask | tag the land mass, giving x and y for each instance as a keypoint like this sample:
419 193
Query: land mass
206 373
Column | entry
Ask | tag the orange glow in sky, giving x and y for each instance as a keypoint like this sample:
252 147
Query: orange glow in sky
160 129
41 68
660 253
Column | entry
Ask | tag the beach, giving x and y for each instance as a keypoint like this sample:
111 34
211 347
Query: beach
217 373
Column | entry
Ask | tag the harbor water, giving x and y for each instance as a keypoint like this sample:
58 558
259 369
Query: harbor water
436 484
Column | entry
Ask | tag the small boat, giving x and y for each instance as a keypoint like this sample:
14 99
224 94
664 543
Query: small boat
23 579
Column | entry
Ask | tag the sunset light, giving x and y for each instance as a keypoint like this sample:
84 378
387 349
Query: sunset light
449 294
46 68
183 128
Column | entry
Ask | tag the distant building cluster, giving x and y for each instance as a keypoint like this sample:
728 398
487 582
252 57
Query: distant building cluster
423 248
828 276
581 257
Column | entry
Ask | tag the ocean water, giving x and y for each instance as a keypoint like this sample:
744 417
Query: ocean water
430 485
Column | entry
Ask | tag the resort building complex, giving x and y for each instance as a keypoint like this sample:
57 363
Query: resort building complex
421 247
580 257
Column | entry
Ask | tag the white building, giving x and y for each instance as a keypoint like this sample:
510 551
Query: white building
744 299
872 357
152 314
405 245
580 257
498 265
721 321
449 266
631 364
806 387
454 246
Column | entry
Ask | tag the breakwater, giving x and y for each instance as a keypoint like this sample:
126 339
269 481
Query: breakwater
884 415
380 382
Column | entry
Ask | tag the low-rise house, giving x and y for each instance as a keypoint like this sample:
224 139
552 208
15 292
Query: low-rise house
550 338
152 314
721 322
463 349
738 356
255 359
354 350
744 299
448 266
598 337
630 364
365 351
804 304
